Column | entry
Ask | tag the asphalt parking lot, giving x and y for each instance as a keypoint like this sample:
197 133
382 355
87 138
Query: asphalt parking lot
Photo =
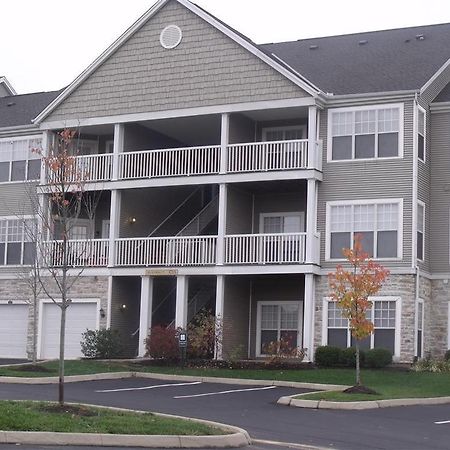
254 408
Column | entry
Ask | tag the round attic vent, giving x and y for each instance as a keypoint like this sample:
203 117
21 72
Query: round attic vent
171 36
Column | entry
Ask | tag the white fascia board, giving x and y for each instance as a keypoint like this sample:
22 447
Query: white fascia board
7 84
434 77
100 60
298 79
440 107
177 113
366 98
19 130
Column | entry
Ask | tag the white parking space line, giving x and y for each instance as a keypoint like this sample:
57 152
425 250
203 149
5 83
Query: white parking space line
226 392
144 388
442 422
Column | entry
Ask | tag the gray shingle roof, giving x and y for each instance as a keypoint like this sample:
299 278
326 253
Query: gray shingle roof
18 110
380 61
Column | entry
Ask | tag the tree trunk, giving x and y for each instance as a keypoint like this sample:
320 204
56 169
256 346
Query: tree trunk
62 335
358 369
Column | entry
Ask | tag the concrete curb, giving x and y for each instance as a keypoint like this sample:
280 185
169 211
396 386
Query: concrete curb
370 404
238 437
162 376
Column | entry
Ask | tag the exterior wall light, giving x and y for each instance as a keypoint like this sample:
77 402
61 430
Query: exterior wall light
132 220
102 313
123 308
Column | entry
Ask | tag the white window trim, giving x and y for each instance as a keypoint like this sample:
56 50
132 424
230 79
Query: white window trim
23 218
260 304
304 128
420 303
422 204
16 139
397 333
420 109
401 108
300 214
44 301
399 201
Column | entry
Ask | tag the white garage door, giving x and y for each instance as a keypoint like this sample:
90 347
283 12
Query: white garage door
13 330
80 316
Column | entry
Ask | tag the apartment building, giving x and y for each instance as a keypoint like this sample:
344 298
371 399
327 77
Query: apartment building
233 174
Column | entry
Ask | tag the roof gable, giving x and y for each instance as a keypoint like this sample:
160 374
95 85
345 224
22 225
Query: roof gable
5 87
133 75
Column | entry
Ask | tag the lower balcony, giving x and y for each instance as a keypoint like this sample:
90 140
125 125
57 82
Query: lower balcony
183 251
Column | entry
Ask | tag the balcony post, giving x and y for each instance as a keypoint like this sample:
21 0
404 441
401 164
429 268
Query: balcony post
308 317
119 132
220 297
145 321
312 137
45 150
222 223
224 141
311 218
181 308
114 225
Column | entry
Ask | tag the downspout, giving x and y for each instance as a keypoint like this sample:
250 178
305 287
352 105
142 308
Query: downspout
250 321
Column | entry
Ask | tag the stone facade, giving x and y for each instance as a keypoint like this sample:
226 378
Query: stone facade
436 319
403 286
18 290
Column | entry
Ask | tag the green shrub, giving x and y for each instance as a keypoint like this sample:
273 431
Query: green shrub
162 343
101 344
447 355
348 357
328 356
377 358
432 365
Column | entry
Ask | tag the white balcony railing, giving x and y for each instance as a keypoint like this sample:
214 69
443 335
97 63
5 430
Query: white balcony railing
166 251
285 248
86 168
246 157
262 156
80 253
170 162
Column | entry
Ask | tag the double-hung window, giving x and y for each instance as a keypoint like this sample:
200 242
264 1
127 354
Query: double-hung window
16 241
385 316
284 133
18 161
292 222
365 133
420 230
421 133
378 223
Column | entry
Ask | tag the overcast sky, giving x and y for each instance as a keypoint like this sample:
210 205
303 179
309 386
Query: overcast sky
43 47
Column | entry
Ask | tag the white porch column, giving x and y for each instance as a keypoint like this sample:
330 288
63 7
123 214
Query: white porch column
224 141
220 301
181 308
45 150
145 321
312 136
308 317
222 223
311 220
119 133
114 225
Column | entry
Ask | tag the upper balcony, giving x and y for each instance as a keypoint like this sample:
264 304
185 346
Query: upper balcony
199 150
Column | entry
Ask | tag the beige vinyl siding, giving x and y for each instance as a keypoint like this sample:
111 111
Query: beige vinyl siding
239 211
369 179
439 212
438 84
142 76
16 199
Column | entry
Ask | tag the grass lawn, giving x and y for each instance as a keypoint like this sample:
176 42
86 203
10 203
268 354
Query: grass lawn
389 383
33 416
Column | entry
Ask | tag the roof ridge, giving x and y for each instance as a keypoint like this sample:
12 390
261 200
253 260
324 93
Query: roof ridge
357 33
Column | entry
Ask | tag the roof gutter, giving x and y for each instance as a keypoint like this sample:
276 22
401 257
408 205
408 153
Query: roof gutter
19 129
440 107
332 99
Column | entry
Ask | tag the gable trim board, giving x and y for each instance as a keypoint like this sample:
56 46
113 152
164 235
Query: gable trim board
434 77
7 84
296 78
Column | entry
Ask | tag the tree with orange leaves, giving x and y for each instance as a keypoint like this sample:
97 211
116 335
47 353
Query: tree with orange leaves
352 288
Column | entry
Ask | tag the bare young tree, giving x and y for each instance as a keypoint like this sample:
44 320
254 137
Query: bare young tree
60 260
